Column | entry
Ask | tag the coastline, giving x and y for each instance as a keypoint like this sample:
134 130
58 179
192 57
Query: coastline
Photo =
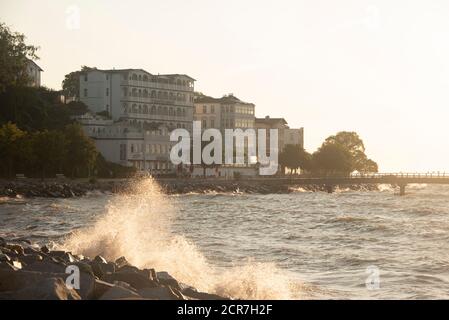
67 188
28 271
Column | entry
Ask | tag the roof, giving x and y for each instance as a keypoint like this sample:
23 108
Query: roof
142 70
227 99
269 120
31 61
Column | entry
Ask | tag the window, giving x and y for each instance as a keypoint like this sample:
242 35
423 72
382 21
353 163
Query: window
107 91
85 77
212 109
85 92
204 123
212 123
107 77
204 109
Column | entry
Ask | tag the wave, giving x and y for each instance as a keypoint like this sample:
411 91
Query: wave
137 225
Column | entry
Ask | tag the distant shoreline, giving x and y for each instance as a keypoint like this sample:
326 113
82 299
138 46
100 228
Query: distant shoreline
68 188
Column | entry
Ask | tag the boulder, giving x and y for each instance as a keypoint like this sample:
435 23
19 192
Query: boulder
193 293
121 262
160 293
100 288
99 259
136 280
45 249
17 248
30 258
118 292
4 257
47 266
166 279
2 242
46 289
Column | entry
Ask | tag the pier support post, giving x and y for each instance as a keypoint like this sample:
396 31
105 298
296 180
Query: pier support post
402 189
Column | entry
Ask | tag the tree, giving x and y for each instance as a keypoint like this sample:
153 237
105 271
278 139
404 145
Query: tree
81 151
14 55
71 83
49 151
355 146
14 149
332 159
294 157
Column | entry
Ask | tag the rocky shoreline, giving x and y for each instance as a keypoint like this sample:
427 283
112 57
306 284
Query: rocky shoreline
30 272
73 188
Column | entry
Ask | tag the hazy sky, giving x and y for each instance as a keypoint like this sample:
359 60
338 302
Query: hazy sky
380 68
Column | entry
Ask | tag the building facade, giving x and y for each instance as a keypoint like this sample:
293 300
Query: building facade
227 112
34 73
133 113
140 98
286 135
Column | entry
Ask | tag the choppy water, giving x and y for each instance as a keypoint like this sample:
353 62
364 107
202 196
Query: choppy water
300 245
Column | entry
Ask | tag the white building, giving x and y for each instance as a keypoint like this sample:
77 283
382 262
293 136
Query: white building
137 111
34 73
286 135
227 112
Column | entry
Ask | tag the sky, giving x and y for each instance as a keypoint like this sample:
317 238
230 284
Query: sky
380 68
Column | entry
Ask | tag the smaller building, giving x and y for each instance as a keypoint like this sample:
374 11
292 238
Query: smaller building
34 73
286 135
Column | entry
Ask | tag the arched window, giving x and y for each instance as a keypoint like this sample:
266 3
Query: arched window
153 94
145 93
178 112
140 77
153 110
140 108
145 77
134 76
140 93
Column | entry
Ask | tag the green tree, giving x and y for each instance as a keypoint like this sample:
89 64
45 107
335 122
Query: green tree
294 157
80 151
49 151
354 144
14 55
332 159
71 83
14 149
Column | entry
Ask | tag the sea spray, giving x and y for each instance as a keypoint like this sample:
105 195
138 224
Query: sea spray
137 225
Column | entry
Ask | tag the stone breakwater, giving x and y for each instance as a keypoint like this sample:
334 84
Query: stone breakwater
28 271
69 188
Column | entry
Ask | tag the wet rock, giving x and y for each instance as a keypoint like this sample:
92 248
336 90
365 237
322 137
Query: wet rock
100 288
100 259
84 267
193 293
136 280
166 279
47 266
17 248
118 292
4 258
121 262
17 264
45 249
62 256
46 289
2 242
30 258
160 293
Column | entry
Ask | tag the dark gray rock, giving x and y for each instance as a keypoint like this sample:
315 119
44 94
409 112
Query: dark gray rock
193 293
44 249
30 258
121 262
160 293
46 289
2 242
166 279
100 259
47 266
118 292
17 248
136 280
4 257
